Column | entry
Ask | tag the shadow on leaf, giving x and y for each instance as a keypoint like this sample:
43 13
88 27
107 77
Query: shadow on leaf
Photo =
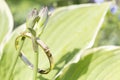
76 70
65 59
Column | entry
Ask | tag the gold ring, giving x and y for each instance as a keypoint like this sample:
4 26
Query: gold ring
45 49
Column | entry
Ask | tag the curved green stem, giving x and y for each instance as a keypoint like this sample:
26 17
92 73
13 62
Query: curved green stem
16 58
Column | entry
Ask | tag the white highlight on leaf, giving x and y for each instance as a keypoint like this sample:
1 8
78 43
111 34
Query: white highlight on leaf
4 7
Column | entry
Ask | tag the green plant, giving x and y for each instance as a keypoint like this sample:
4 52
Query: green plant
70 34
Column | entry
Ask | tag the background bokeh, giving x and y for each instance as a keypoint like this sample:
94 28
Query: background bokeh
108 35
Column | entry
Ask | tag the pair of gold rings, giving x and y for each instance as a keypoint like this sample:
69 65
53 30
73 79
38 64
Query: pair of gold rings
43 46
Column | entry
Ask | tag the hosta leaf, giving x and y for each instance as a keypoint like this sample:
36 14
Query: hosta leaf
102 63
8 57
6 24
69 30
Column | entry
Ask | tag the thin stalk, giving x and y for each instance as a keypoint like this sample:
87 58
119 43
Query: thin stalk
16 58
35 68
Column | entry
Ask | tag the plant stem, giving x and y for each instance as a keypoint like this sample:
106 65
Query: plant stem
35 68
16 58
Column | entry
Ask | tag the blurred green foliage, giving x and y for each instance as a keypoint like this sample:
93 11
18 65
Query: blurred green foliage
21 8
110 31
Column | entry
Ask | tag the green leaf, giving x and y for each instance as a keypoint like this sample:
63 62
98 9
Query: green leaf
102 63
9 54
6 24
69 30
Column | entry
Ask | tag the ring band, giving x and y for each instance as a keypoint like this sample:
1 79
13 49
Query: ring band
45 49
